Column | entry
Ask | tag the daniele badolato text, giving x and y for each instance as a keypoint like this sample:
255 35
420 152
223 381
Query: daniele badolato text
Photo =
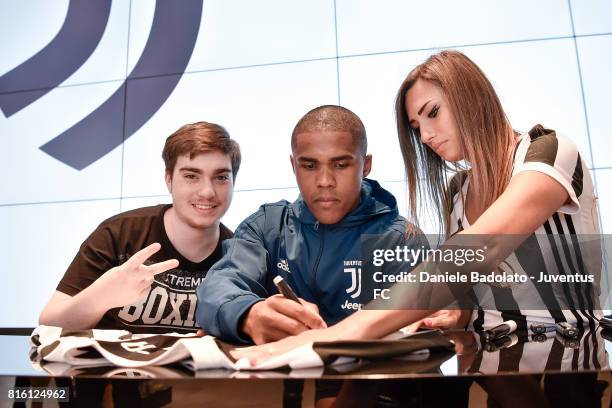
409 258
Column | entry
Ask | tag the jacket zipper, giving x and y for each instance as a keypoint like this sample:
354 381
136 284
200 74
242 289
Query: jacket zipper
316 265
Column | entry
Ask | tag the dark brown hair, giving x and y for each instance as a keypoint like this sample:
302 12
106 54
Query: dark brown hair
332 118
485 135
197 138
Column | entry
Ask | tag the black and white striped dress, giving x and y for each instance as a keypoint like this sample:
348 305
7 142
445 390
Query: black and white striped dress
558 242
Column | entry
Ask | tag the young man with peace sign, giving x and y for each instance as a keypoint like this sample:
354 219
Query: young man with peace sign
139 270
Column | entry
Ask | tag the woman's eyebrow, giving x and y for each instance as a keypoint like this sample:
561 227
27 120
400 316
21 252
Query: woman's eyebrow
423 107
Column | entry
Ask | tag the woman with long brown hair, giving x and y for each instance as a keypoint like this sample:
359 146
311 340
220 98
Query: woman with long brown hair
450 121
465 121
462 154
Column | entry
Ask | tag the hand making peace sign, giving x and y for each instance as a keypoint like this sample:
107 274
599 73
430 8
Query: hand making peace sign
130 282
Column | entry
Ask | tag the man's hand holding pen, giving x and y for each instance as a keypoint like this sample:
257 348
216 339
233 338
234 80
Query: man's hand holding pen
280 316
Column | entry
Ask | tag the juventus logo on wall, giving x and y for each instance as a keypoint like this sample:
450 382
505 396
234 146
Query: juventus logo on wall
168 49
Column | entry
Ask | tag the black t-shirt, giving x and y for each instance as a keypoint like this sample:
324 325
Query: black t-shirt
170 304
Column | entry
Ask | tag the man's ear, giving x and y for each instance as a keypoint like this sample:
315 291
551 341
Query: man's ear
367 165
168 179
292 163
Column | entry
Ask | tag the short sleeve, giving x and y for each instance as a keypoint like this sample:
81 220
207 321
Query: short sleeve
96 256
556 156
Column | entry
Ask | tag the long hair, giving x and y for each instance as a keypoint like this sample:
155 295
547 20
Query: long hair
485 135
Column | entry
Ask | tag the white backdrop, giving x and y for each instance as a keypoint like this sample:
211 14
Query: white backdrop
256 68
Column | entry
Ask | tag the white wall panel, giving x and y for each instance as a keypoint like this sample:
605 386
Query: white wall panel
31 174
592 16
27 26
604 195
43 240
596 65
396 25
240 32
